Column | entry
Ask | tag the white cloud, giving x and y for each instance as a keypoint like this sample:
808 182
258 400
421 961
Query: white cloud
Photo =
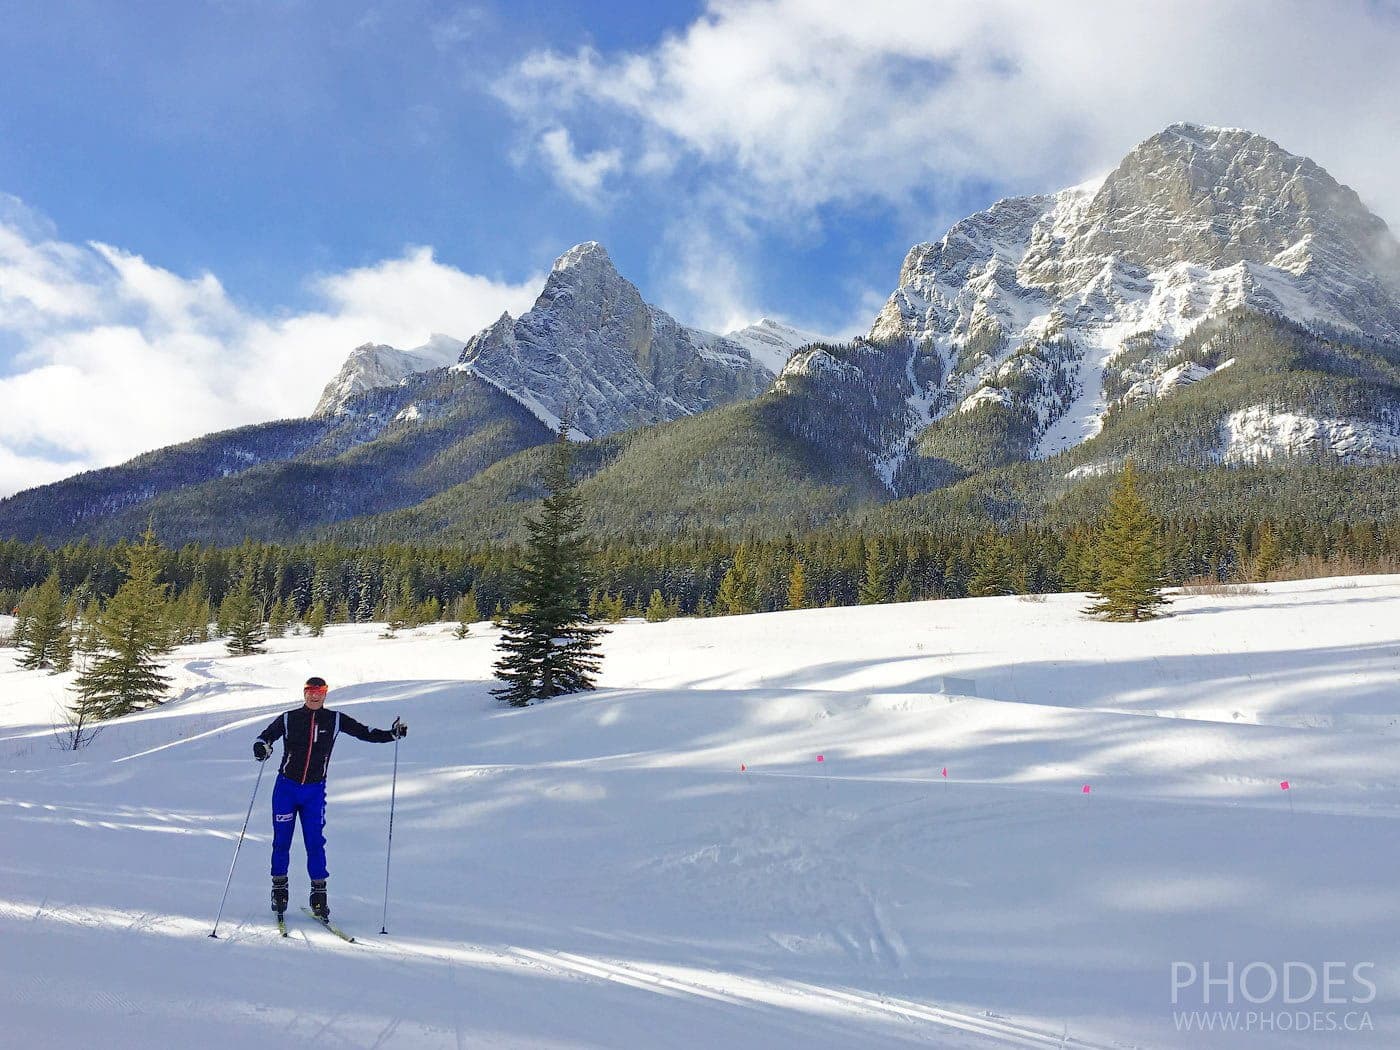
801 103
581 175
112 355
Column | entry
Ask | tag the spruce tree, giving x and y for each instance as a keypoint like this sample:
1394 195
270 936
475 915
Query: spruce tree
797 586
242 613
316 619
132 634
735 597
1129 557
277 620
1266 556
657 608
548 645
875 581
467 614
992 570
45 638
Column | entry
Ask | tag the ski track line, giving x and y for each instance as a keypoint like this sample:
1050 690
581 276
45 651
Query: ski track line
811 998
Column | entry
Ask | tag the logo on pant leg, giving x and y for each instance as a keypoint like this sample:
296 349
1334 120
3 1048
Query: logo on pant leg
283 816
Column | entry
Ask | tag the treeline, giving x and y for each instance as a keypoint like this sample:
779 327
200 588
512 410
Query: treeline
704 574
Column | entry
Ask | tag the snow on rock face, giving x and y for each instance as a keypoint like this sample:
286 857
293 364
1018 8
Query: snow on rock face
1173 378
1258 432
1193 222
590 344
771 343
374 365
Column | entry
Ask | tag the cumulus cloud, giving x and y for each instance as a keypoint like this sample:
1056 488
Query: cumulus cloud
110 355
803 103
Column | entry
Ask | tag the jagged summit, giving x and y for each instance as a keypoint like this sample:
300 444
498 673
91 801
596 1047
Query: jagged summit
373 365
591 344
589 253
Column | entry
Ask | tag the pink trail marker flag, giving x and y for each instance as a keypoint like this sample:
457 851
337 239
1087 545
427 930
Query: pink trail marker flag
1086 789
1283 785
945 772
821 758
743 768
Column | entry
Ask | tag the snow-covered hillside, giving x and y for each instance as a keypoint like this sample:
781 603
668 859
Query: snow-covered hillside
598 872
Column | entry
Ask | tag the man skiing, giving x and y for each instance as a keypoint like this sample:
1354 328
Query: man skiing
308 734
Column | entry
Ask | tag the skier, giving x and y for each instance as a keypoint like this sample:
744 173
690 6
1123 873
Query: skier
308 733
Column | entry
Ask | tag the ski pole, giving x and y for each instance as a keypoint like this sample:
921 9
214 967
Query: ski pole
393 791
215 931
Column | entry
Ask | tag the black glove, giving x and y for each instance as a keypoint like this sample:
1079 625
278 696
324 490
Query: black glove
399 729
262 750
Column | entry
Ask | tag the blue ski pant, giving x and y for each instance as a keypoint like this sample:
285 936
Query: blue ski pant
291 801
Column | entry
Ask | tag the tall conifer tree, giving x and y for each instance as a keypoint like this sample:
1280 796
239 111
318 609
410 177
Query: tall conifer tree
1129 556
548 645
132 633
46 636
242 613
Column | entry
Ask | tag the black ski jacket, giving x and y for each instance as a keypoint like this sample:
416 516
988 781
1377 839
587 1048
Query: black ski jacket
308 738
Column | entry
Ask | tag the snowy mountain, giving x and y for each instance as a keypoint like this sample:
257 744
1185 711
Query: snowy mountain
1213 300
395 427
592 345
1030 305
374 365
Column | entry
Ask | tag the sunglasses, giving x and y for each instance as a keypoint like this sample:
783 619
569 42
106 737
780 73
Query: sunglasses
315 690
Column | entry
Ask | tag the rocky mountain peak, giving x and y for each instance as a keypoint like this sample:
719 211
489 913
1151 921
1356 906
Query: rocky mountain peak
1030 304
593 345
1222 196
589 254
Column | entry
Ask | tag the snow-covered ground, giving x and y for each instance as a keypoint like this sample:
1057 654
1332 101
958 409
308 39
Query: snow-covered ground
598 872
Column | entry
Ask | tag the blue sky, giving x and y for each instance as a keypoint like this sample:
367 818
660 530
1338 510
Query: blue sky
224 197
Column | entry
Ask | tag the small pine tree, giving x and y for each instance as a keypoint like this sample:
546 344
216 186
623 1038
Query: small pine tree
467 614
612 608
342 612
1266 557
905 591
242 614
992 570
277 620
45 639
657 608
1129 557
548 647
316 620
875 582
797 586
133 633
735 597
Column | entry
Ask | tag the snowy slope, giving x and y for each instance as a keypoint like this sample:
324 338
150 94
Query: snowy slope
597 872
770 342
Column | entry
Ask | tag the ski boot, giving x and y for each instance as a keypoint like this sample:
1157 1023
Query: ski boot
319 906
279 893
